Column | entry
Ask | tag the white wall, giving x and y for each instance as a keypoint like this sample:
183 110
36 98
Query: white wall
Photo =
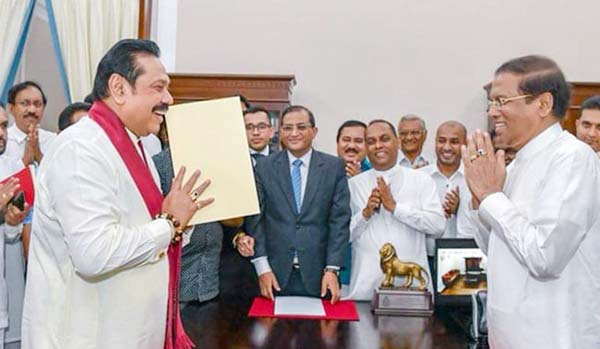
365 59
39 64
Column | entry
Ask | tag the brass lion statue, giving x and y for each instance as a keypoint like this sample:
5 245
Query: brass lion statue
392 267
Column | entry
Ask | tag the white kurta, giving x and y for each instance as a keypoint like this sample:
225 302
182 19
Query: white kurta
15 260
418 214
458 225
9 166
543 248
97 275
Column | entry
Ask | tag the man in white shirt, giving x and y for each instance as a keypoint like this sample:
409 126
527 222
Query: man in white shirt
412 134
447 173
537 218
392 204
98 275
588 123
26 140
10 230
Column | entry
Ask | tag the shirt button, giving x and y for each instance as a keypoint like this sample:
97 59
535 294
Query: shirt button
297 226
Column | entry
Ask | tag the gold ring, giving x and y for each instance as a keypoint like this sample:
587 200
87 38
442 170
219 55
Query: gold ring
194 195
481 152
473 157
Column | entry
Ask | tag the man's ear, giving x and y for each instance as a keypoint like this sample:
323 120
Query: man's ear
546 104
116 88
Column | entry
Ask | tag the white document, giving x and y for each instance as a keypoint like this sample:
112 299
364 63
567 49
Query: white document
292 305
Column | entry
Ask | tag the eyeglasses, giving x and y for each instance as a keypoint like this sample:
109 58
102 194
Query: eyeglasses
501 101
27 103
299 127
415 133
261 127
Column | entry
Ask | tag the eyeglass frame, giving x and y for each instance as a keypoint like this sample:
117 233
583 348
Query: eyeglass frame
500 102
27 103
263 126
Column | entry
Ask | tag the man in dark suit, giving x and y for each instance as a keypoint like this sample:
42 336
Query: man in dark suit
302 234
259 132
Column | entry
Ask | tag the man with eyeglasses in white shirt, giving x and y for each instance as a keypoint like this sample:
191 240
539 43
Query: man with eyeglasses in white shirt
537 218
412 134
26 140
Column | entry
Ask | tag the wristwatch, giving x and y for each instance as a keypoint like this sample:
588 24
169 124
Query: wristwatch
333 270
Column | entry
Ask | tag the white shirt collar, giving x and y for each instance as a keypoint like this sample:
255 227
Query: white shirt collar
436 171
539 142
387 173
264 152
305 158
16 133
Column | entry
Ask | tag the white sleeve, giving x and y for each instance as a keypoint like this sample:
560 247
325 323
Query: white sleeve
428 217
85 201
358 223
546 239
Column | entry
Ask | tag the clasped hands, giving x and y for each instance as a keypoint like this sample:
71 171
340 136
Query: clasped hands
381 195
485 170
32 147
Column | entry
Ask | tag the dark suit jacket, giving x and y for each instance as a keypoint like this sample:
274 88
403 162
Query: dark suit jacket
319 234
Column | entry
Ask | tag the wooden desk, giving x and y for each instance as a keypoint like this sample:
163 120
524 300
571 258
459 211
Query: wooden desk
221 325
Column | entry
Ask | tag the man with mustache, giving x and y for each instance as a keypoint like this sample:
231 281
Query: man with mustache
447 173
351 147
412 134
537 218
26 140
389 203
98 274
12 279
588 123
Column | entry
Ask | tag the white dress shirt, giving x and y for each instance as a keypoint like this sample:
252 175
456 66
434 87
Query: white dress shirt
264 152
17 139
97 273
458 225
152 145
9 166
418 214
422 160
542 238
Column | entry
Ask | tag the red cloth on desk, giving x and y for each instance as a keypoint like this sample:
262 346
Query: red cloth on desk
342 310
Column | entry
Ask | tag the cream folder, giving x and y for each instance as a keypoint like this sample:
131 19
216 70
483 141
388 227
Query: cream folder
210 136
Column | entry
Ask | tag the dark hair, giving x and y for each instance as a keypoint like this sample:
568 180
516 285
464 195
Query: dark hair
382 121
349 123
258 109
89 99
540 74
122 59
297 108
244 101
65 117
14 91
591 103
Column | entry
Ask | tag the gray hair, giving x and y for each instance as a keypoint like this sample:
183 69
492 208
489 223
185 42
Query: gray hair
413 117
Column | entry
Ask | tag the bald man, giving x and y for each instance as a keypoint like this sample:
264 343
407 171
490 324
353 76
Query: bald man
447 173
